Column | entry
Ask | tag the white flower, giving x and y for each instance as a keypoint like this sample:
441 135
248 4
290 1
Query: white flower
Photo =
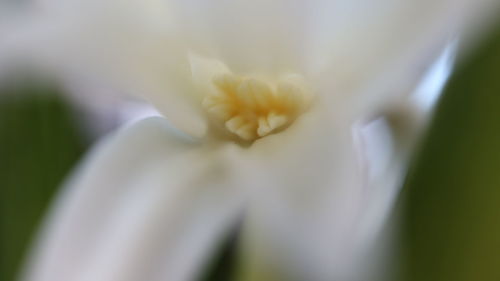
266 95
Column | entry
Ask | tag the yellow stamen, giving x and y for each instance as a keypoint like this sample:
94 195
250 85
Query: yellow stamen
251 108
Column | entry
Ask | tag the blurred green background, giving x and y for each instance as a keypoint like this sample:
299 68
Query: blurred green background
39 143
451 204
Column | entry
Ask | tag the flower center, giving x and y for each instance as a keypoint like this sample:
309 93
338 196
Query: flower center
251 108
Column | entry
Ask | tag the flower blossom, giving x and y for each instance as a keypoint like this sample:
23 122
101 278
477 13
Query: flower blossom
261 100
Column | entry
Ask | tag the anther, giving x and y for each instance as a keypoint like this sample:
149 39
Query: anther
251 108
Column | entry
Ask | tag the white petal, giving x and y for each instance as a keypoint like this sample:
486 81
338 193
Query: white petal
131 45
308 193
366 52
310 219
249 36
146 205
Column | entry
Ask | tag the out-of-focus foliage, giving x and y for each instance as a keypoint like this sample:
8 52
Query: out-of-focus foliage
452 211
39 143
